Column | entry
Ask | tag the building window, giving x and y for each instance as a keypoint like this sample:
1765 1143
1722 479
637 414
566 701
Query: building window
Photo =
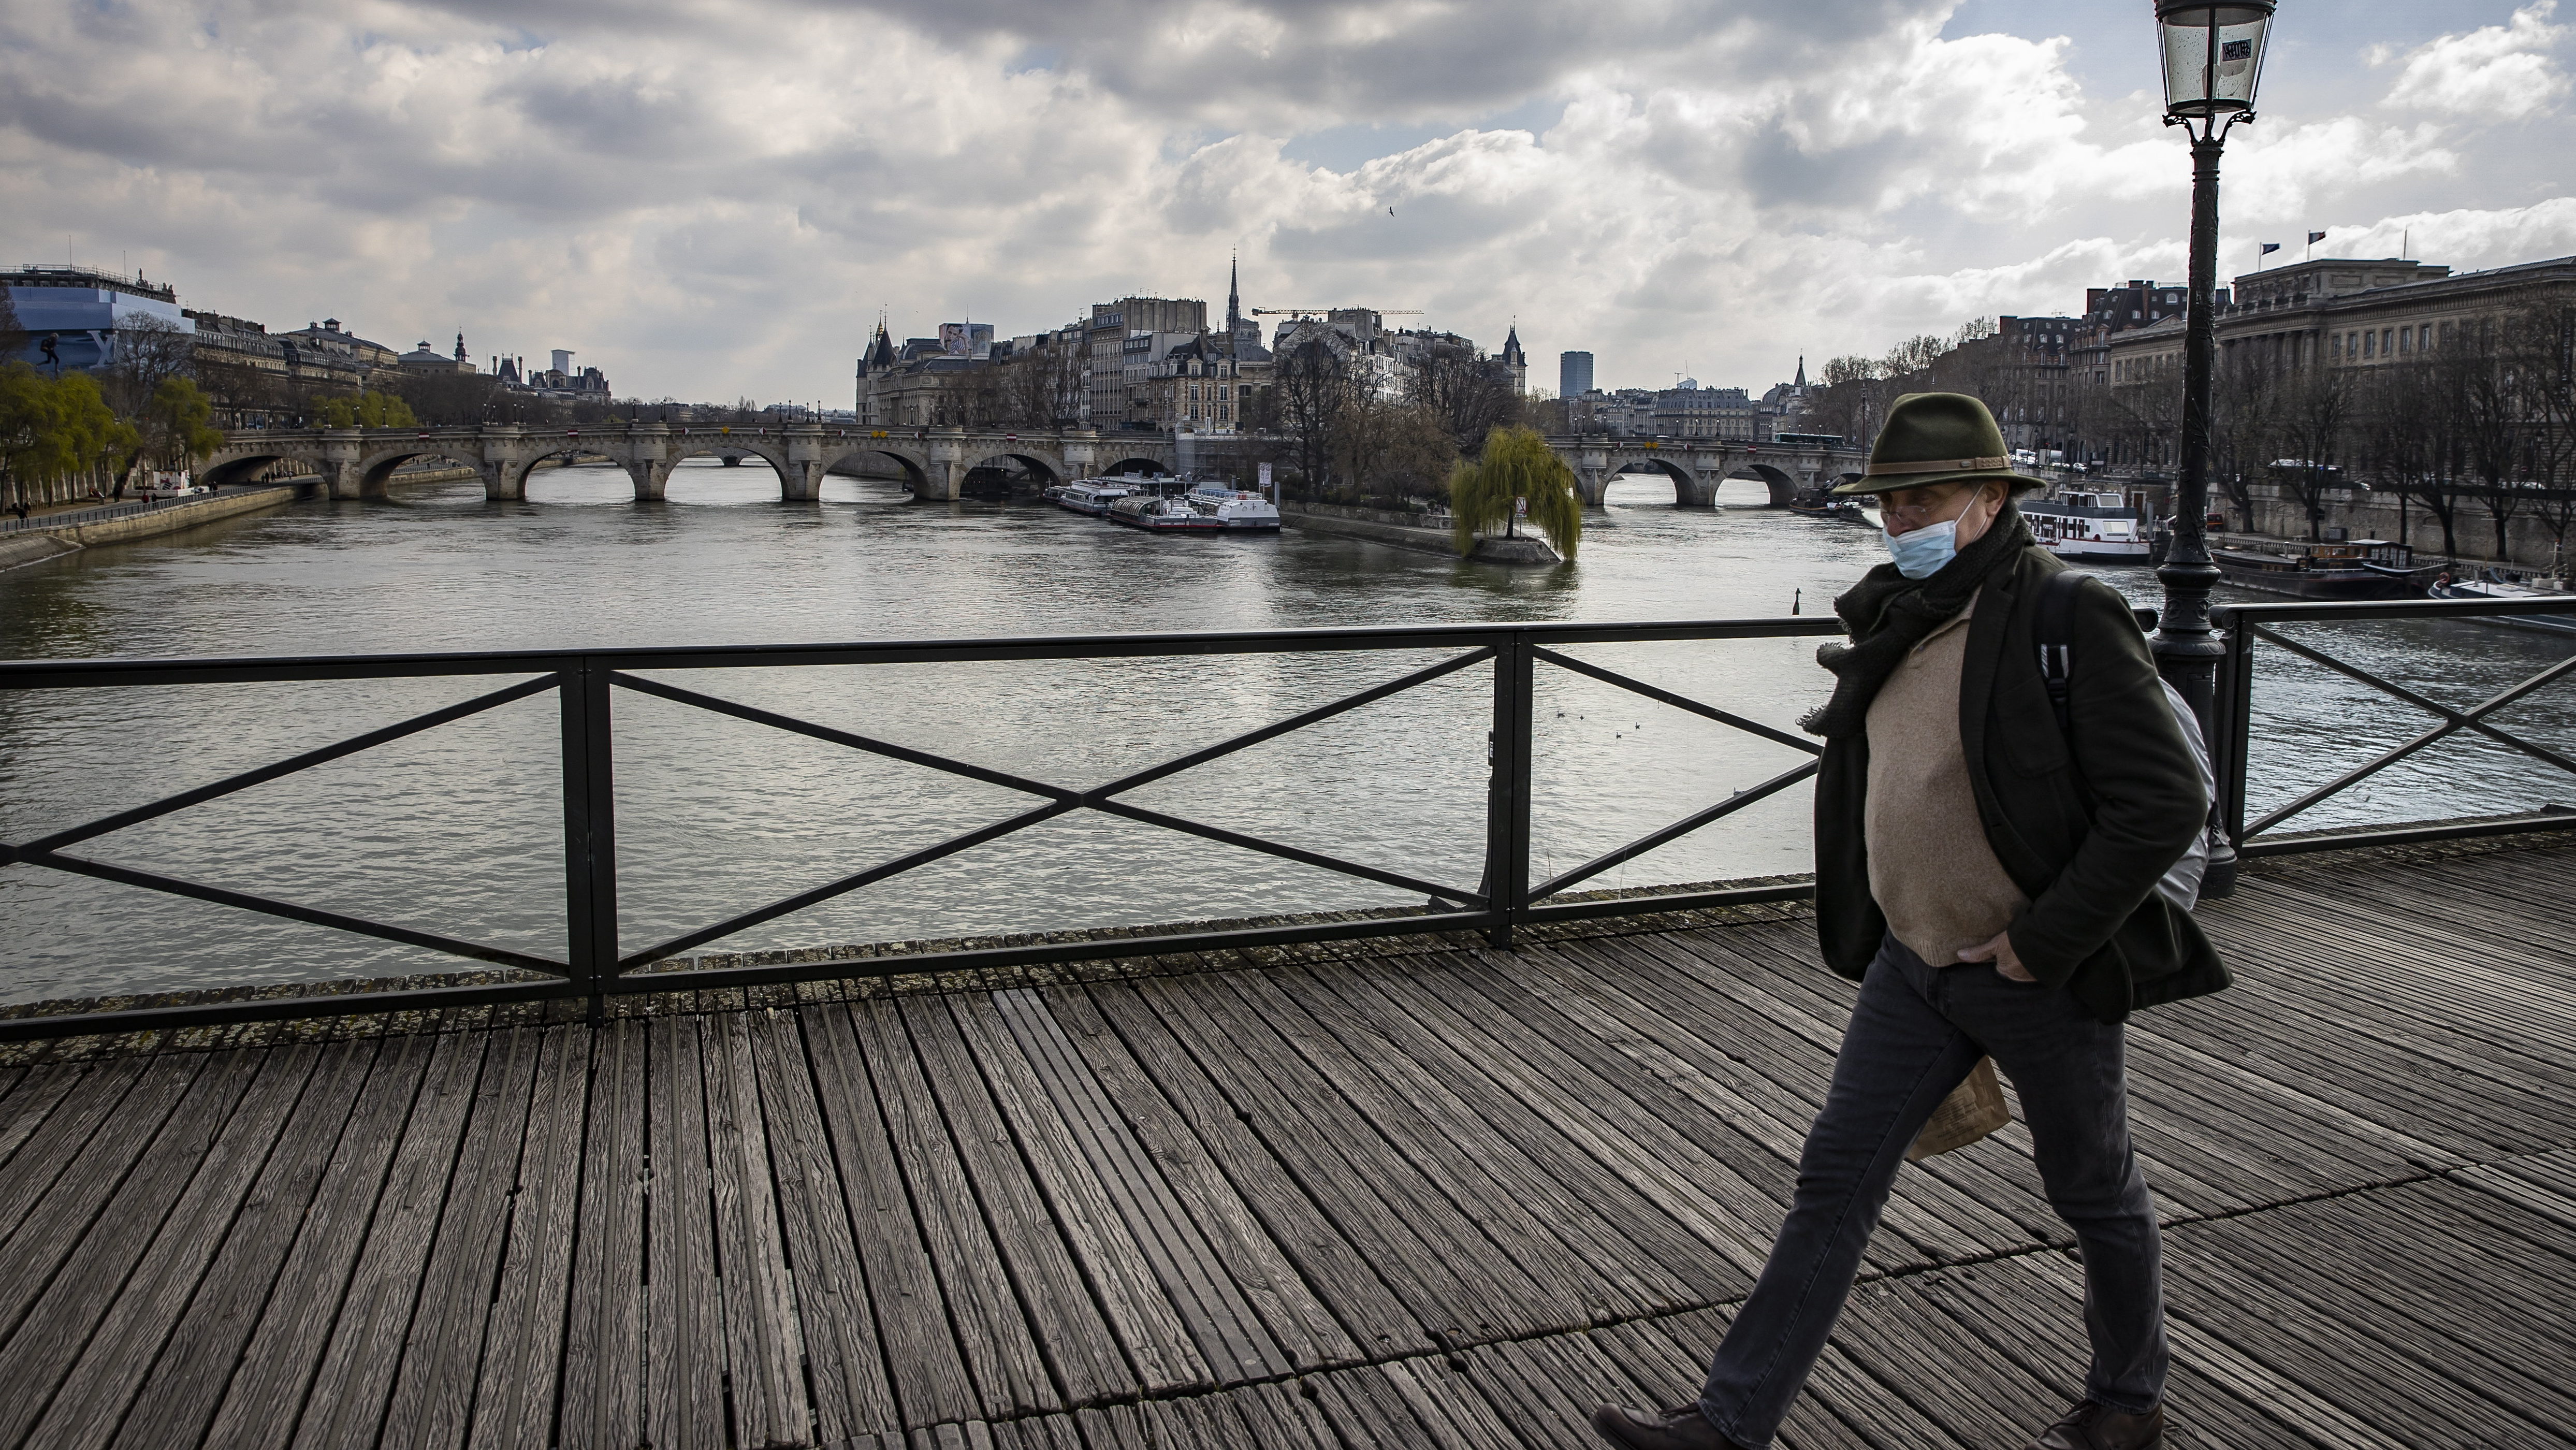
2385 336
2369 343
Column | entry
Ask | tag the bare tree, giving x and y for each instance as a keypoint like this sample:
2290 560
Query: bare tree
1313 385
2548 357
2408 441
2312 415
2484 368
1470 395
149 350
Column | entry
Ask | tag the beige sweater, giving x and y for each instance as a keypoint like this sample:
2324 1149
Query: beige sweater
1930 866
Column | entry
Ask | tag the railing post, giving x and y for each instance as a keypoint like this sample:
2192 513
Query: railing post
590 829
1507 796
2230 738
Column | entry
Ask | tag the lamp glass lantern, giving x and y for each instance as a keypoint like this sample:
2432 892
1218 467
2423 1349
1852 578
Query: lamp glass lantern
2213 56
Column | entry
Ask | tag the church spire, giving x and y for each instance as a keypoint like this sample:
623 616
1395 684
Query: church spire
1234 296
1801 383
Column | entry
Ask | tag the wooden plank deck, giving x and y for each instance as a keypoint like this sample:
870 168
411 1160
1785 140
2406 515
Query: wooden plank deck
1387 1194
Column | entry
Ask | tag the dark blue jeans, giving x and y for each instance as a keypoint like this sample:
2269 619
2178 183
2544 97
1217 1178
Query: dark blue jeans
1914 1035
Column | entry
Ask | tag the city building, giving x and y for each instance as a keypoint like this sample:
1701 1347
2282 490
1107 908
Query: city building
1691 411
73 315
1116 368
1194 385
425 360
1573 374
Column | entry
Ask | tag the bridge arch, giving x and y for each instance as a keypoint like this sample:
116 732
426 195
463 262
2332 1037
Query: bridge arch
915 466
1036 466
376 466
1690 490
246 465
1784 485
651 472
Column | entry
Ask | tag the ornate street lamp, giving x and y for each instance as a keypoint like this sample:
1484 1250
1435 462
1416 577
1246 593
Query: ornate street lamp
2213 56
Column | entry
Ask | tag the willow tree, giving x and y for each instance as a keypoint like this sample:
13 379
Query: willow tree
1517 466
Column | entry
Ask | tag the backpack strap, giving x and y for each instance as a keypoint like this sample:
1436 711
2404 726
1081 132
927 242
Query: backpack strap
2054 630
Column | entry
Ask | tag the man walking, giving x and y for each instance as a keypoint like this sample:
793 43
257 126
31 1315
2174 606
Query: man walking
1989 878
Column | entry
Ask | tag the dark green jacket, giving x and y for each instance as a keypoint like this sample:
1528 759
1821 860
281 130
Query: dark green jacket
2085 827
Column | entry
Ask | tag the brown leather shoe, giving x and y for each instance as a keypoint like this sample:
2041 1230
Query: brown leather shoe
1682 1427
2091 1426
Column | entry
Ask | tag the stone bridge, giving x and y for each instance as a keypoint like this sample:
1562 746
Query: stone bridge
1696 465
934 462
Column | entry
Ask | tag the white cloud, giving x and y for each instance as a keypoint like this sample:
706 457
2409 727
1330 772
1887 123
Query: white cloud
2501 72
710 200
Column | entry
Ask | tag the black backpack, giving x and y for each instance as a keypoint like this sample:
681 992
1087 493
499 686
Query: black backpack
2054 630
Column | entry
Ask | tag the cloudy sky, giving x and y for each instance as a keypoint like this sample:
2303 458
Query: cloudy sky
711 200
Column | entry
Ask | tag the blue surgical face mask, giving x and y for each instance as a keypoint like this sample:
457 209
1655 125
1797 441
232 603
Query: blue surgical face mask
1920 553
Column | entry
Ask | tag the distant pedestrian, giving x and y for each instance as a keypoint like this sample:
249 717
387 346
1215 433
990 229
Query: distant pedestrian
1990 879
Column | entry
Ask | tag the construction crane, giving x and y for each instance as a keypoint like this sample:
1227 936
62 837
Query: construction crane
1328 311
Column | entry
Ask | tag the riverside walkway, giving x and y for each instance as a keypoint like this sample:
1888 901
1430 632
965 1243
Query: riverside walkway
1407 1192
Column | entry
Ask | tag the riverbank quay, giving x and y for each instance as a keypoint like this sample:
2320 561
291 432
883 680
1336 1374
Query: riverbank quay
48 536
1395 528
1411 1190
1404 530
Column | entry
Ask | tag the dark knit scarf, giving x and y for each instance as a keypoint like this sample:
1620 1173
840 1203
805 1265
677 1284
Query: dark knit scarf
1889 614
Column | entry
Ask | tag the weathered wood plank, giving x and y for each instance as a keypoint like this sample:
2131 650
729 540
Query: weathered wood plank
269 1390
1077 1331
764 1342
71 1165
848 1370
433 1393
915 1183
1343 1275
183 1241
522 1362
1303 1329
1231 1337
602 1405
187 1382
684 1328
41 1345
1553 1232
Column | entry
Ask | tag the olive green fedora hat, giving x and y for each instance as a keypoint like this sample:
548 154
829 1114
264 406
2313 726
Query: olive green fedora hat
1937 438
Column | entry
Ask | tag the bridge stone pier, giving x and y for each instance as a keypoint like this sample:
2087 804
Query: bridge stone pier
933 462
1696 466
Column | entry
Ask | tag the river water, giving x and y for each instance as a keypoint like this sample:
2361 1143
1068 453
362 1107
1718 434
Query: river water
458 831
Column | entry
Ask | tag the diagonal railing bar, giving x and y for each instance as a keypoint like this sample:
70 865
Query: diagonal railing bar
1250 738
186 798
1286 853
2420 702
245 901
830 735
852 882
1678 702
1062 800
1673 832
2438 732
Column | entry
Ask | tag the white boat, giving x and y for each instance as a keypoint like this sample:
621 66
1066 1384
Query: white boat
171 485
1208 508
2493 587
1239 509
1091 496
2076 523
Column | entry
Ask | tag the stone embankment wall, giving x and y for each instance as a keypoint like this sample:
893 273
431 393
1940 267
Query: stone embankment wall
1402 529
2367 514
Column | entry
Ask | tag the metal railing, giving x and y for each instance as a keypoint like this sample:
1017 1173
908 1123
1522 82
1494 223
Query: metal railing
597 963
2248 626
41 523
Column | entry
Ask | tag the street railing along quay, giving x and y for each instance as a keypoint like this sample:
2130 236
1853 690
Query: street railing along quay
105 513
597 963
